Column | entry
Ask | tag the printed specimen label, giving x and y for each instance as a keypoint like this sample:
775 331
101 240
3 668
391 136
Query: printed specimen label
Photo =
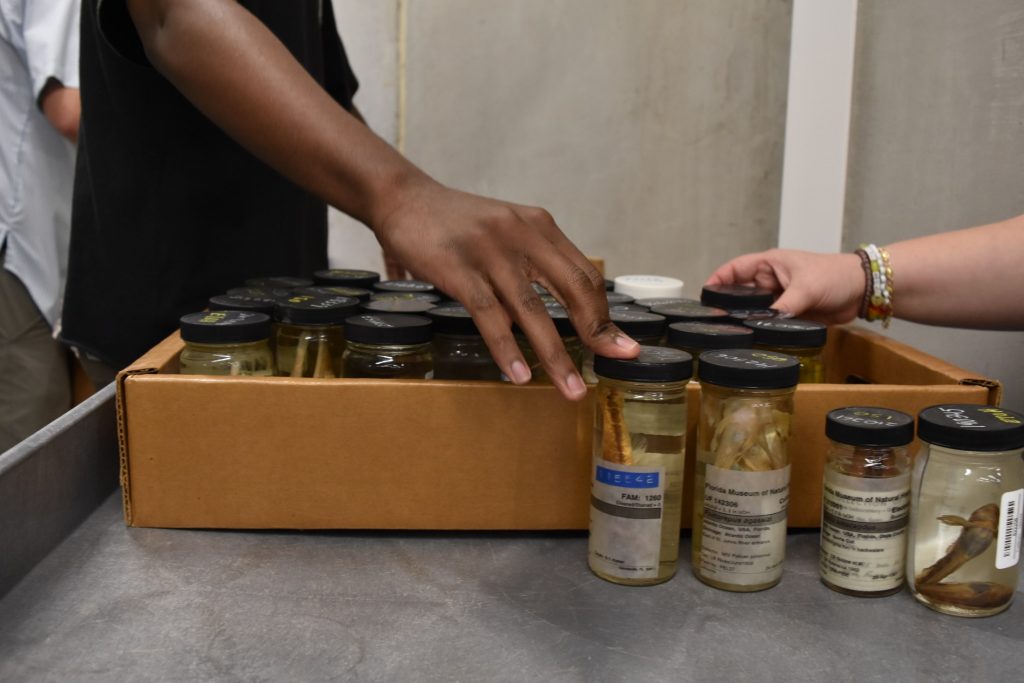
626 512
864 531
743 538
1008 550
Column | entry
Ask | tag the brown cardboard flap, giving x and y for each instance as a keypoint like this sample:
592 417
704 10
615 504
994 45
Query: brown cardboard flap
161 358
881 360
995 388
309 454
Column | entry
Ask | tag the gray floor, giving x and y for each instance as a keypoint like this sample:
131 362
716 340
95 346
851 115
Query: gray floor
118 604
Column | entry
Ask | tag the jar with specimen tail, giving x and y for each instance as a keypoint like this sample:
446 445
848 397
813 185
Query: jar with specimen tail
311 334
967 491
637 471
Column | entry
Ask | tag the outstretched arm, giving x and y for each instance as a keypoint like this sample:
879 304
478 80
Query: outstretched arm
482 251
965 278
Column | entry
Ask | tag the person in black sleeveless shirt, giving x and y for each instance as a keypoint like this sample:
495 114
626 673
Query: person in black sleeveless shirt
213 134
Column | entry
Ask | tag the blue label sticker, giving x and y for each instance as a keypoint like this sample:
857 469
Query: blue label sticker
627 480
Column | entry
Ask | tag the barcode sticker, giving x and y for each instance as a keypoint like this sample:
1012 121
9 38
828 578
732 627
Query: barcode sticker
1008 550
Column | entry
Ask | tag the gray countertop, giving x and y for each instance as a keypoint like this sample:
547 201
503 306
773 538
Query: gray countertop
118 604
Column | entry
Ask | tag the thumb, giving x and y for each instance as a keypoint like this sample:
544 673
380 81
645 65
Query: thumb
793 302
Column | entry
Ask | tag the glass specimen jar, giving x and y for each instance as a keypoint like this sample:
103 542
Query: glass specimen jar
865 500
738 317
256 302
736 297
430 297
573 345
651 302
408 286
741 479
628 307
264 304
311 334
637 477
336 290
388 346
459 350
800 338
689 313
647 329
226 343
697 337
346 277
261 292
399 304
967 490
279 282
648 286
618 298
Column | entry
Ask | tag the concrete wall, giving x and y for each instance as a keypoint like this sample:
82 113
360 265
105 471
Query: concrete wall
651 129
369 29
937 143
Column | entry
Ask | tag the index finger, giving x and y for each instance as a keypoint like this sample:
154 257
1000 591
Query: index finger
744 270
562 268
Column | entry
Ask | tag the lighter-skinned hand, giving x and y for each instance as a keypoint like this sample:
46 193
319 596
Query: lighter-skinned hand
823 287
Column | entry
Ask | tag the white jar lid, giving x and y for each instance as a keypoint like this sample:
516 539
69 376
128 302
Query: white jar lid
647 286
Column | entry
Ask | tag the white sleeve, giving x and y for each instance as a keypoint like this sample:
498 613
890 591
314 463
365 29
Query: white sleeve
50 29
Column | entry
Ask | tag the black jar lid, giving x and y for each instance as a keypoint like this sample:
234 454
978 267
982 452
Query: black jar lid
316 309
336 290
970 427
225 327
654 364
280 281
736 296
629 307
618 298
400 305
638 323
701 335
682 313
559 316
403 286
263 292
243 302
454 319
743 315
651 302
431 297
748 369
869 426
346 277
788 332
388 329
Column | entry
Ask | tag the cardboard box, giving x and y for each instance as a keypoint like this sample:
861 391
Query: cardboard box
284 453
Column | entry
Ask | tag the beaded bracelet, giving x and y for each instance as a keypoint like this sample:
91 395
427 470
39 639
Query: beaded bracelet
878 286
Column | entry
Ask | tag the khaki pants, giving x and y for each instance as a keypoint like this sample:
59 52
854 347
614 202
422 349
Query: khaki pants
35 381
